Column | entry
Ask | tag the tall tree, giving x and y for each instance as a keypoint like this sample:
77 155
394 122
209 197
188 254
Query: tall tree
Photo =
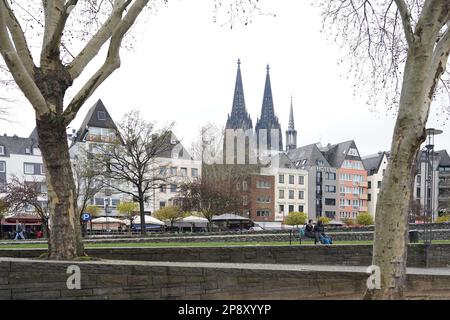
133 163
210 197
44 84
401 48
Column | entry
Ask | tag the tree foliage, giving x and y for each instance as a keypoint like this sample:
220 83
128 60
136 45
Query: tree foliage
296 218
365 219
94 211
171 213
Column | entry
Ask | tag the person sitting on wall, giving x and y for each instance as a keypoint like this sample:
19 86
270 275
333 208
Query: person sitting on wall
309 231
319 232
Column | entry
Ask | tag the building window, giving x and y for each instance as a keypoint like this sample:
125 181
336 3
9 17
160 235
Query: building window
330 175
101 115
173 188
244 200
281 194
263 213
2 166
418 178
173 171
291 179
2 150
342 203
28 168
183 172
291 208
300 208
379 184
43 188
238 186
418 193
263 199
99 202
281 178
262 184
115 202
281 208
162 204
162 188
369 185
291 194
369 197
301 195
330 202
194 172
244 186
331 189
301 180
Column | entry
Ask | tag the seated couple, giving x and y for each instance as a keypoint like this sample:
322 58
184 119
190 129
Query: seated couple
317 233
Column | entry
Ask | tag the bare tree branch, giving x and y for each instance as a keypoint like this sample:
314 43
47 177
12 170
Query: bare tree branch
406 19
17 68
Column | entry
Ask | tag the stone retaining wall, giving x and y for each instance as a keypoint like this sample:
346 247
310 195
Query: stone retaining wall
28 279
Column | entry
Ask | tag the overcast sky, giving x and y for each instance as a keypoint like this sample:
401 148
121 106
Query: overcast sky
183 69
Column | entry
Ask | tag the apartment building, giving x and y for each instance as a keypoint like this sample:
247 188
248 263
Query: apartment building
321 182
351 177
21 158
376 166
291 186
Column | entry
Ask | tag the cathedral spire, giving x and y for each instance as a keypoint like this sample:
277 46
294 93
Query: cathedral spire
291 118
291 133
267 111
268 120
239 118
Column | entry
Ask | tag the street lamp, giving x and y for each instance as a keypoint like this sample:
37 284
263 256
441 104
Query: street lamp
429 187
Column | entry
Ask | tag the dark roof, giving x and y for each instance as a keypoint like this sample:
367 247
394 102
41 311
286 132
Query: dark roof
17 145
282 161
310 153
372 162
337 153
173 143
445 158
92 119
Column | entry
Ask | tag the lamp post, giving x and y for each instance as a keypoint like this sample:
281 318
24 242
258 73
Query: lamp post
429 188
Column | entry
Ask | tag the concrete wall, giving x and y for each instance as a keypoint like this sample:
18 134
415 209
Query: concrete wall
28 279
343 255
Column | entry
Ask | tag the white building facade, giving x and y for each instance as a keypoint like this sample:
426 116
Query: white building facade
291 187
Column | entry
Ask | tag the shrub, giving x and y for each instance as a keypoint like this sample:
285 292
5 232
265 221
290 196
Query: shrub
364 218
442 219
325 220
296 218
348 221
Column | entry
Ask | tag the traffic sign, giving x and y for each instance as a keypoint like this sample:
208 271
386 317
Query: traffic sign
85 217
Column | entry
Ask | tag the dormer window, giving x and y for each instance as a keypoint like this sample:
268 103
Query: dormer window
27 150
2 150
101 115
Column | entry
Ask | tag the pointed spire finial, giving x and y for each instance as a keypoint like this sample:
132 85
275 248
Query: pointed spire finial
239 63
268 68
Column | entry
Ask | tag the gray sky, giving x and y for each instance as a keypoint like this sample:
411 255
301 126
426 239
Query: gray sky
183 69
